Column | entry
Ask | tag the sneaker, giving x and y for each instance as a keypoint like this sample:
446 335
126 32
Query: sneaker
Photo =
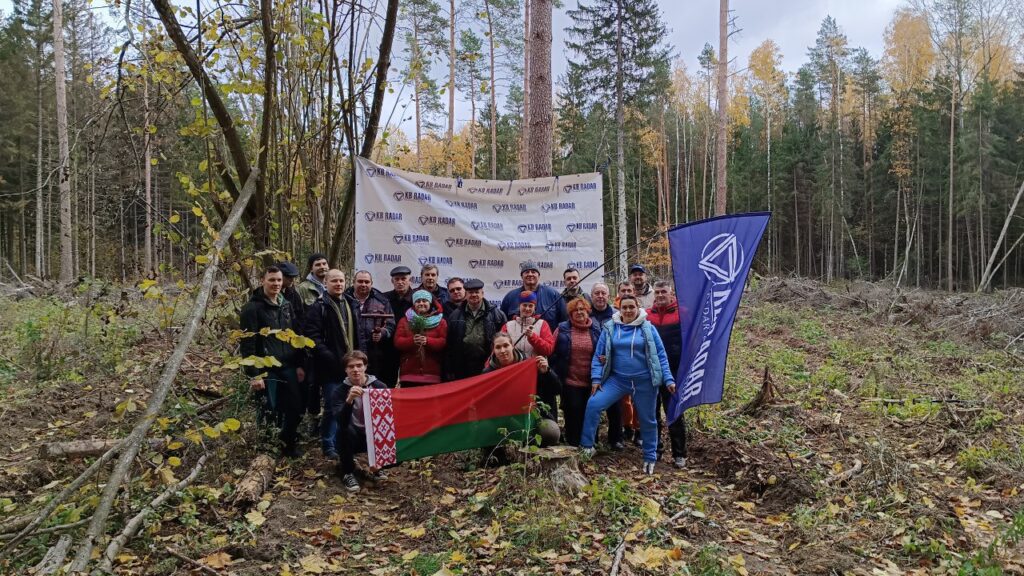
649 468
378 476
350 482
332 455
680 462
587 453
619 446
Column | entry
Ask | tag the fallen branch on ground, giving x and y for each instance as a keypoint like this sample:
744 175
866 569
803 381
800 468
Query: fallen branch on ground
82 448
50 529
54 557
847 474
132 443
135 524
191 562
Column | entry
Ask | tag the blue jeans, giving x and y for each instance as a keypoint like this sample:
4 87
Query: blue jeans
644 399
328 424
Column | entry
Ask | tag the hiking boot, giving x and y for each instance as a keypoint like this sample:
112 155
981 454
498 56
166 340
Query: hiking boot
291 451
649 468
680 462
350 482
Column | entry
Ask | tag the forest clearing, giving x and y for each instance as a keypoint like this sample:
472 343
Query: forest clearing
891 445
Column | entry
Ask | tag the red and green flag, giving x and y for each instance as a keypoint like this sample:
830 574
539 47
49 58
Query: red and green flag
409 423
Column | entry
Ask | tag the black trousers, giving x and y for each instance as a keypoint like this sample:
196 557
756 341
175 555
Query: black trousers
676 431
283 403
574 406
350 441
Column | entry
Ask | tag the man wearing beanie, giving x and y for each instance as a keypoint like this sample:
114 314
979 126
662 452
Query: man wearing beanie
549 305
313 286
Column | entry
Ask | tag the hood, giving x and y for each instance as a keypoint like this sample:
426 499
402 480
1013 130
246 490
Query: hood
640 319
517 356
370 379
672 307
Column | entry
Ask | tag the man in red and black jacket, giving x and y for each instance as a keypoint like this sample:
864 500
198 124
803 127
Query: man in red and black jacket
664 314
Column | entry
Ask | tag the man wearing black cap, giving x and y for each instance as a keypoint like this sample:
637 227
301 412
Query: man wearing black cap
291 272
550 305
471 328
641 289
313 286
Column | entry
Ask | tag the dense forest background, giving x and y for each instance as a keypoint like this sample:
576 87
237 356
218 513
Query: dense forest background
903 165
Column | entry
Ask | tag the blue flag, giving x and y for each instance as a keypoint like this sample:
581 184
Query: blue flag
710 261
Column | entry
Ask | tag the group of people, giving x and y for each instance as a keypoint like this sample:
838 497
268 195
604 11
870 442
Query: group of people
593 355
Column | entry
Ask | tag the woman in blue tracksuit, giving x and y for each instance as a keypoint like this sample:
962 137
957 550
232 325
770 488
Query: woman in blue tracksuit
629 359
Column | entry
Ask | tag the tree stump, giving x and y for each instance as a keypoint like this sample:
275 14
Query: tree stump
560 464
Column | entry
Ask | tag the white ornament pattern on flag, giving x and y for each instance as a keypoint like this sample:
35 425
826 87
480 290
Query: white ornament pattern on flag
382 425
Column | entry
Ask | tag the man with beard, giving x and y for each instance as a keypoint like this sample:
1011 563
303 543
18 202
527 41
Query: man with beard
572 289
332 323
641 289
664 315
376 320
471 328
313 286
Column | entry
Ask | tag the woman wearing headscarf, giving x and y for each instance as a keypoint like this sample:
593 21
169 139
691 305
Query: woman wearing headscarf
630 359
420 340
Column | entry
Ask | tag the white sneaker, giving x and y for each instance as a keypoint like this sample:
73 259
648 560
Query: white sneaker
587 452
679 462
649 468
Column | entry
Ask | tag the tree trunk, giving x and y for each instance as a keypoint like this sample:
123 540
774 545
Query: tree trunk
66 255
524 137
620 148
40 237
539 142
449 144
722 142
494 105
949 224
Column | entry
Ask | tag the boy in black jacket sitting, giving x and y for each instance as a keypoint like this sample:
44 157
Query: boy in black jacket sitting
347 407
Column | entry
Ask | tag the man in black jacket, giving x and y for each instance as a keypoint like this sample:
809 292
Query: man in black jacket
290 291
376 321
332 323
277 387
471 328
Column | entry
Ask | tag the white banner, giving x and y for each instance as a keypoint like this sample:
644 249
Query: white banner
477 228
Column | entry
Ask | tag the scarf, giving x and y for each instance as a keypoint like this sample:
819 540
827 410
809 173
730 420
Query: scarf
316 283
432 321
343 318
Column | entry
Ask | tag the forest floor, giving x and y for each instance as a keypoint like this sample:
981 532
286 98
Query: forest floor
893 446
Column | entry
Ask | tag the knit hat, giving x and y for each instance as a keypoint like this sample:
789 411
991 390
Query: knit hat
526 297
422 295
313 258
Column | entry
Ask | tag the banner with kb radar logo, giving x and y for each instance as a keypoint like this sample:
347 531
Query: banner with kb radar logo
710 261
477 228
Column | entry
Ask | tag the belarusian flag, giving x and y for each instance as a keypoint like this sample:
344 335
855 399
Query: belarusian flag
409 423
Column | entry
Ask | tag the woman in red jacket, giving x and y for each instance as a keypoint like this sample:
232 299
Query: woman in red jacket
420 340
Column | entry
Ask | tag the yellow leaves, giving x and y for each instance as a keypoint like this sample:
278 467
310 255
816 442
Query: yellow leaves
416 532
652 557
739 564
174 461
202 259
232 425
145 285
444 571
256 518
175 218
123 408
197 211
651 508
408 556
314 564
211 432
746 506
175 445
458 557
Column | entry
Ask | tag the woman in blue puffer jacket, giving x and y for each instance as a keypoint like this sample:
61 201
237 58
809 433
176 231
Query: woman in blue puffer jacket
629 359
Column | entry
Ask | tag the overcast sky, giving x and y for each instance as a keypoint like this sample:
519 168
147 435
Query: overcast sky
793 24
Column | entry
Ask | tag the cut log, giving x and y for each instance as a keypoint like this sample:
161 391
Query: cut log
256 480
83 448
